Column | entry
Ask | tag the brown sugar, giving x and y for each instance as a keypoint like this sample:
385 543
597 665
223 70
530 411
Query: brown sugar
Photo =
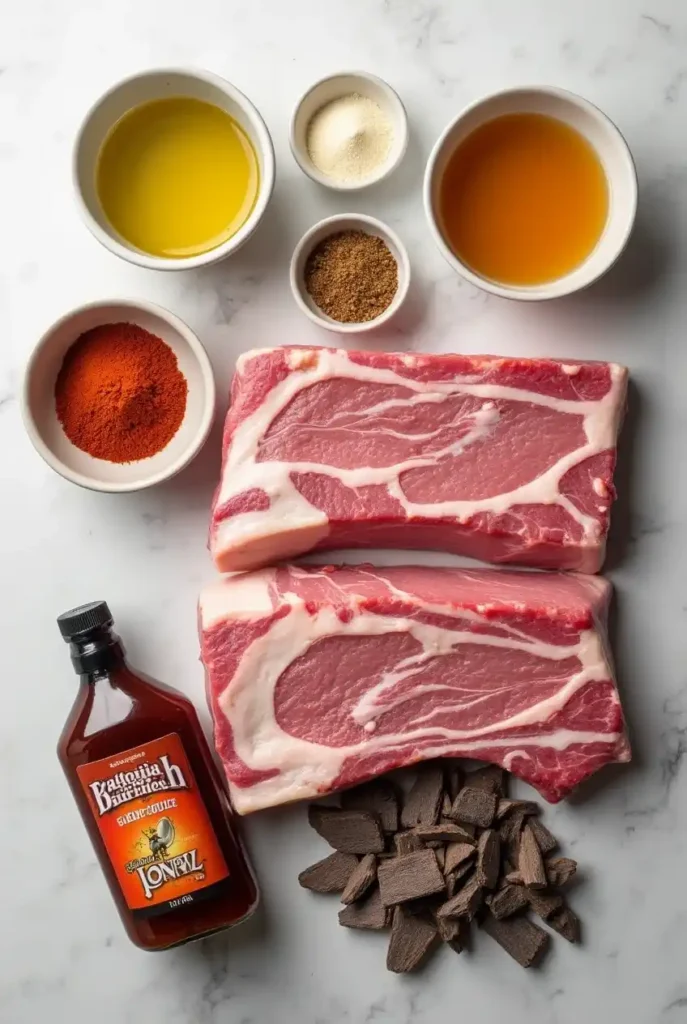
352 276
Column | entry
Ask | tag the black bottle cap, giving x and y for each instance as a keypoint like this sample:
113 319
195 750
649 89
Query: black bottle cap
74 623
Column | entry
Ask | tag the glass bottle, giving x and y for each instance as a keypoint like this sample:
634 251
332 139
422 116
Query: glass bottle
150 795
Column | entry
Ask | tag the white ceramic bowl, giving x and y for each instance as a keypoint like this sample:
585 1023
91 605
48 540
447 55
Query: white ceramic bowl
611 149
323 229
45 430
155 85
331 88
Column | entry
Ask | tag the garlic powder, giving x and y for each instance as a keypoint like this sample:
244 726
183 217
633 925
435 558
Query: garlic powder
349 138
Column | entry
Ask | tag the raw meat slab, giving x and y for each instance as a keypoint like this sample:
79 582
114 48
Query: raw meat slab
320 678
502 460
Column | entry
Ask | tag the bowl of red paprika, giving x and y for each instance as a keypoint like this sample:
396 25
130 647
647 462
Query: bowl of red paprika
118 396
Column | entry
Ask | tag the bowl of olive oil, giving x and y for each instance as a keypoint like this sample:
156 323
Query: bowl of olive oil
173 169
531 193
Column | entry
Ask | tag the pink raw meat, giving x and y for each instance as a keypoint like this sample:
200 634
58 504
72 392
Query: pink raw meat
503 460
319 678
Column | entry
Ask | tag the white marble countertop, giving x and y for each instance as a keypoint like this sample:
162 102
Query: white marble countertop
63 954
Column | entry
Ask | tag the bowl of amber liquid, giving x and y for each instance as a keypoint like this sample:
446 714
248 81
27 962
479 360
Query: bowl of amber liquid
531 193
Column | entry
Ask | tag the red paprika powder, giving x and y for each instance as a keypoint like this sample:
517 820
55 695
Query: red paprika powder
120 394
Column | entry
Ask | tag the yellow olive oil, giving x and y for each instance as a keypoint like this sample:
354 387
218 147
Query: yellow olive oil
523 199
177 177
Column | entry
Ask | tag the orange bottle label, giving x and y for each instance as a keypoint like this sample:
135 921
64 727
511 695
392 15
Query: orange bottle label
155 826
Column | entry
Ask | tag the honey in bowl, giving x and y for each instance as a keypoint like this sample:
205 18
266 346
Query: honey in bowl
523 199
177 177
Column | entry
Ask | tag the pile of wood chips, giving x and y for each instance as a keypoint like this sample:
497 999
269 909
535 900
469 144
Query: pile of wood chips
428 862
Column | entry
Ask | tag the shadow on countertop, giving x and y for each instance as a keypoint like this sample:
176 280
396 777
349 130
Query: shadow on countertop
623 528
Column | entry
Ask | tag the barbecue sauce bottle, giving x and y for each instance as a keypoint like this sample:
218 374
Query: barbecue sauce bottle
149 794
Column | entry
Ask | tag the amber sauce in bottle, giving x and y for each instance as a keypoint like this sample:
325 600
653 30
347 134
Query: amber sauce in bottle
150 795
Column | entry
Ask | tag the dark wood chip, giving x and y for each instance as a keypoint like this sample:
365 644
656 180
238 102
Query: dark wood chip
426 906
448 927
453 776
407 842
505 827
409 877
545 840
465 903
566 922
453 879
463 869
457 854
329 875
507 901
445 806
491 778
530 863
455 932
510 830
440 855
559 870
522 939
368 913
469 830
506 807
348 831
543 903
411 940
475 806
423 802
488 858
379 796
443 833
364 875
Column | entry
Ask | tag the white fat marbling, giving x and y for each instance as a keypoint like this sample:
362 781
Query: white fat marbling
64 956
290 513
305 768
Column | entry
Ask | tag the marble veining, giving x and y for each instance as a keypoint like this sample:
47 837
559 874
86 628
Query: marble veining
64 956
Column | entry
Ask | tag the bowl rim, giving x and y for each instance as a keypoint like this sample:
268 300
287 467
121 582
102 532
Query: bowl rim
194 447
307 166
403 278
265 189
558 287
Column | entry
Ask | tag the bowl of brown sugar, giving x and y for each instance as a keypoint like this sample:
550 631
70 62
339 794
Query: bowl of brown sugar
350 273
118 396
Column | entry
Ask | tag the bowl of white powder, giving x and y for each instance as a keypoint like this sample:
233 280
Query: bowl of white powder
349 131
